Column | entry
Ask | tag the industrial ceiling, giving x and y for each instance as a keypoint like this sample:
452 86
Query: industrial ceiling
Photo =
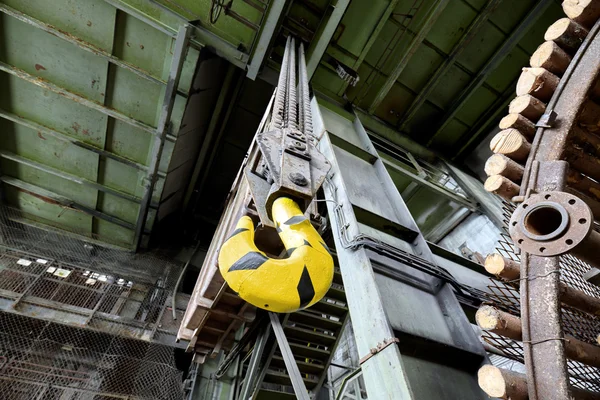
96 141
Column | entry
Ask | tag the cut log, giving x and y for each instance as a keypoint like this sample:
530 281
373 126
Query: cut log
584 12
583 152
582 158
502 384
584 184
499 322
501 186
509 385
551 57
509 270
567 34
579 300
499 164
512 144
528 106
503 267
538 82
595 91
504 324
520 123
589 117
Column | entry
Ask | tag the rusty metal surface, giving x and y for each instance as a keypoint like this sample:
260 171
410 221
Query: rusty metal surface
505 295
551 223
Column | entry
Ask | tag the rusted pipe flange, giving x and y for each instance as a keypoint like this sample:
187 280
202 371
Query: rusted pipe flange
550 223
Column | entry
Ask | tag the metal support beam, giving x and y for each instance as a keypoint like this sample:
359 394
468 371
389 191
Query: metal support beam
491 65
208 138
253 368
68 139
430 185
489 203
329 23
80 43
202 37
456 51
376 265
374 35
288 358
433 13
70 177
44 84
179 54
381 131
483 123
52 197
266 35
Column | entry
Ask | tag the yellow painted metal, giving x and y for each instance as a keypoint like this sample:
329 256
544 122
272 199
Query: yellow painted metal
279 285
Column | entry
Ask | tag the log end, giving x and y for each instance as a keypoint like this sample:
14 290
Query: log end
584 12
491 381
495 165
494 264
488 318
528 106
506 141
557 29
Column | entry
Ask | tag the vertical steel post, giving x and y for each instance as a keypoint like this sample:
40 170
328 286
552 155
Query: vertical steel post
388 298
288 358
253 367
179 53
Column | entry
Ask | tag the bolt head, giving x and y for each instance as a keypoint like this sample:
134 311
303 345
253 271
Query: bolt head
298 179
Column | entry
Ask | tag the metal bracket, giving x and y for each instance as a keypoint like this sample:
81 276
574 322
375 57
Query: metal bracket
380 347
547 120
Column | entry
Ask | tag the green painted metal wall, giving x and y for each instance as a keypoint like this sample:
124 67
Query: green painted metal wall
49 122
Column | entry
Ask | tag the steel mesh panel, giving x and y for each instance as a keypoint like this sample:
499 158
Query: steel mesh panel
582 326
42 358
72 248
92 304
58 276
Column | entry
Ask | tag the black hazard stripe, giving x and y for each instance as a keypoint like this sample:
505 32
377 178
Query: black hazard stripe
295 220
306 290
237 232
290 251
325 247
249 261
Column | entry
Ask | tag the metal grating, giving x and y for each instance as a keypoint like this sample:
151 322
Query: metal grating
57 277
505 295
46 360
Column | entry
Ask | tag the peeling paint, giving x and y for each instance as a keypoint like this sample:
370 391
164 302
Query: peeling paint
39 67
40 135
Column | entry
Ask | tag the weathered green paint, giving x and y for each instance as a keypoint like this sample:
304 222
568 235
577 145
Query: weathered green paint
392 42
372 37
71 68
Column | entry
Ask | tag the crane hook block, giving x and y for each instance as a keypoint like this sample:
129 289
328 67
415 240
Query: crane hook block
279 285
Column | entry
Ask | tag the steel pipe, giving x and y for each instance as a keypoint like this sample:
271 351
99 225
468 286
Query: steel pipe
554 223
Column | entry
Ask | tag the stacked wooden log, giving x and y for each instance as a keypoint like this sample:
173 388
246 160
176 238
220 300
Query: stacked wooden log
504 384
535 87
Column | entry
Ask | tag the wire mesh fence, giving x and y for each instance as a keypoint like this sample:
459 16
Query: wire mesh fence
79 320
582 326
47 360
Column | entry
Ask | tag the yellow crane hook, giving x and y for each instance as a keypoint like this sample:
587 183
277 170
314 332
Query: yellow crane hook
279 285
